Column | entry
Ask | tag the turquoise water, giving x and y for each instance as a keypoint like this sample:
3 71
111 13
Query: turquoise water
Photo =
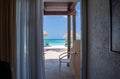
55 42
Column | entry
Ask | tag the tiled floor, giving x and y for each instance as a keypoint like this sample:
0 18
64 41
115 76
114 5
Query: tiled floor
52 67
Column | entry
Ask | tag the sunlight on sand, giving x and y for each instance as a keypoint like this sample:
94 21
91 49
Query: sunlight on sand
53 52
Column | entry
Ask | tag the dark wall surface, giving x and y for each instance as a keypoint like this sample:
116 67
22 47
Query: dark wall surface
102 63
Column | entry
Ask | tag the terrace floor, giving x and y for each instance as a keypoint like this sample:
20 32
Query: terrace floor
52 66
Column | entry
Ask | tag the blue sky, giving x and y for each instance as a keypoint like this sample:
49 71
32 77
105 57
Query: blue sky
56 26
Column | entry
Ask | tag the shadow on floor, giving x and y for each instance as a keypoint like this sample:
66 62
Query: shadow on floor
52 70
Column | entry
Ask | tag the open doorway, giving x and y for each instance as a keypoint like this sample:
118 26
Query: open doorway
56 40
35 33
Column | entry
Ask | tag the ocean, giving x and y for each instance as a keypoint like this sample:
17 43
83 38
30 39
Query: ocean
54 42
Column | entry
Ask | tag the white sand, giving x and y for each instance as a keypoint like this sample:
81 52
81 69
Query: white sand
54 51
55 47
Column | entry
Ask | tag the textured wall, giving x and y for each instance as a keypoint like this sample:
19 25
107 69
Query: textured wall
116 25
102 63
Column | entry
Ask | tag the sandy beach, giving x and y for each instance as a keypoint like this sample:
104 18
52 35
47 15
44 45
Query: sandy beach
53 52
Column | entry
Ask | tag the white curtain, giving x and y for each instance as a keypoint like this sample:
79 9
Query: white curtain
29 17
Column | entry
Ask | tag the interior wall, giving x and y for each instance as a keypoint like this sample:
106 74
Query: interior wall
102 63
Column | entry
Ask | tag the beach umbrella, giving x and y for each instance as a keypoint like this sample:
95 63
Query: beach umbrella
77 35
45 33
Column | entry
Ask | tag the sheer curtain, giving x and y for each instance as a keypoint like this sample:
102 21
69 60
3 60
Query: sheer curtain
29 17
21 25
